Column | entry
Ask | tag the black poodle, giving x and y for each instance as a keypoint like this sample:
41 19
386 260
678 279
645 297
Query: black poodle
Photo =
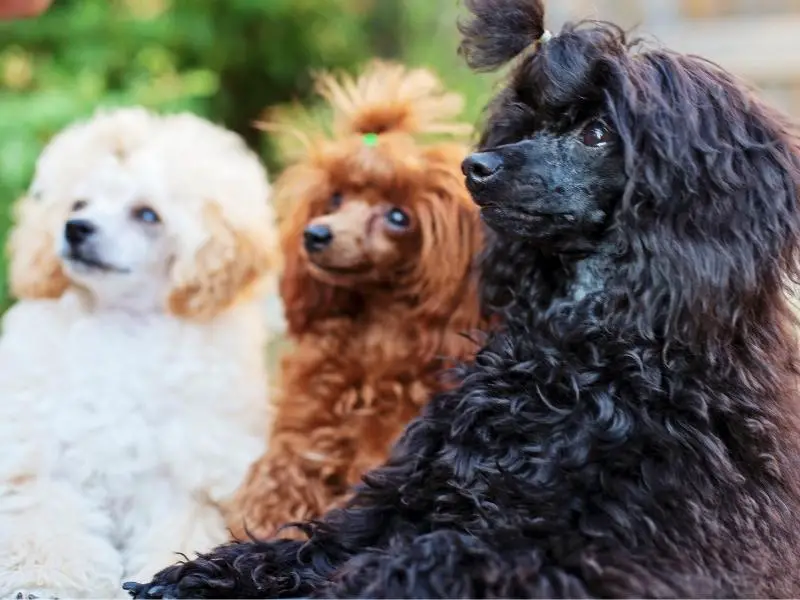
631 429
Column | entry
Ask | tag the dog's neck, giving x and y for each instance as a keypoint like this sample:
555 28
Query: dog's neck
144 301
589 276
380 308
564 283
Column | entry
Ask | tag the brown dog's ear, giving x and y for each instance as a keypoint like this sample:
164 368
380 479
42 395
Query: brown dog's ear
34 267
452 237
304 196
211 275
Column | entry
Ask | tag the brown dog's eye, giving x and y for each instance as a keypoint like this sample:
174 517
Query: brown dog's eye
78 205
145 214
336 201
397 218
596 133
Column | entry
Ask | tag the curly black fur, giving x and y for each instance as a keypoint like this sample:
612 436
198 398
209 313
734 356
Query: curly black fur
630 430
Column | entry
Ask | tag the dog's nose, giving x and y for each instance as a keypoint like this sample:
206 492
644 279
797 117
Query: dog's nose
317 237
77 230
480 167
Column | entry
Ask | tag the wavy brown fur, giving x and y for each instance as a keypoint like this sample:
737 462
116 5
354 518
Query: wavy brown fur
368 354
631 430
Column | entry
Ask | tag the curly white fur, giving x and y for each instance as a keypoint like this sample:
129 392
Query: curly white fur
126 426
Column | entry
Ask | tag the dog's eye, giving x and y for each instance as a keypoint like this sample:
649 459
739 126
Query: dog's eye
398 218
145 214
78 205
596 133
335 201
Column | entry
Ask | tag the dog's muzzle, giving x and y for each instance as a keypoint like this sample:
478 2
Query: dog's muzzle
77 231
480 168
317 237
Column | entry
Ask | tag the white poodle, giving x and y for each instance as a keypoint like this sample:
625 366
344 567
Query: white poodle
132 369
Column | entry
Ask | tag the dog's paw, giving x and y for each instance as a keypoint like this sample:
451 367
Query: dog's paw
150 590
35 594
168 583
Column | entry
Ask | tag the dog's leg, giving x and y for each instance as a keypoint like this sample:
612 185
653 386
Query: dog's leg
450 564
279 568
54 543
238 570
441 564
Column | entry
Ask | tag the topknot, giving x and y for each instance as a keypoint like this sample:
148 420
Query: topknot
385 98
389 97
499 30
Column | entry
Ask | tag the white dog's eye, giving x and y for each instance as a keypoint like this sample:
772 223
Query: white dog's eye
145 214
78 205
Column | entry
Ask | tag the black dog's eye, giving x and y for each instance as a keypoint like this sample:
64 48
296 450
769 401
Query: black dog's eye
78 205
145 214
336 201
596 133
398 218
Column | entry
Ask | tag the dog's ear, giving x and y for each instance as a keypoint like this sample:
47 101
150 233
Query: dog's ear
305 299
35 269
222 264
452 237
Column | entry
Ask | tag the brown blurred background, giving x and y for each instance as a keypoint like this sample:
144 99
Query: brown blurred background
757 39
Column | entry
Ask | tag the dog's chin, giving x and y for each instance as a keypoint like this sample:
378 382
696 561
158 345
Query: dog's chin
555 232
341 275
87 264
508 221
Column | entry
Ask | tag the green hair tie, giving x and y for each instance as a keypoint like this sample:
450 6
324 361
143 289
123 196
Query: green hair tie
370 139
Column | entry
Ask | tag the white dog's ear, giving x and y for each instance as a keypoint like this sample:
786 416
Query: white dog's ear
224 266
35 269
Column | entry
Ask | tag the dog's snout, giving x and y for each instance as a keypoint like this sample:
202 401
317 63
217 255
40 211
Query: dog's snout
317 237
480 167
77 230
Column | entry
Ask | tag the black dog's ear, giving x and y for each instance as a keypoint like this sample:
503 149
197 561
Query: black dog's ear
499 30
716 208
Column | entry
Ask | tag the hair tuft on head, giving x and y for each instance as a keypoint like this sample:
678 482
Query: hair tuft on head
386 97
499 30
389 97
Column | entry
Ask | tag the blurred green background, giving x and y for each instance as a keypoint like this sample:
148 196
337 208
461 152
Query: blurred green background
227 60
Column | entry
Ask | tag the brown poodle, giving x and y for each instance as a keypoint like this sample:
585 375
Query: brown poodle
379 290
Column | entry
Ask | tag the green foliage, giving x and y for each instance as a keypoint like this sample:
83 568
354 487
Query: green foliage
430 38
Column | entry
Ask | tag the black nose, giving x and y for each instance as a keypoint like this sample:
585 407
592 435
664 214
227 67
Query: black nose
480 167
77 230
316 237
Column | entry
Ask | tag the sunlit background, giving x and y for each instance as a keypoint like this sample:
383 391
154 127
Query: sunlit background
229 60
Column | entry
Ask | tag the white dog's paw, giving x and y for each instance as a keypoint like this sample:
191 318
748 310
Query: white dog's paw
36 594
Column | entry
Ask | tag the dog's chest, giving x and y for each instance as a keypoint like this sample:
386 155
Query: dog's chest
123 385
387 349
